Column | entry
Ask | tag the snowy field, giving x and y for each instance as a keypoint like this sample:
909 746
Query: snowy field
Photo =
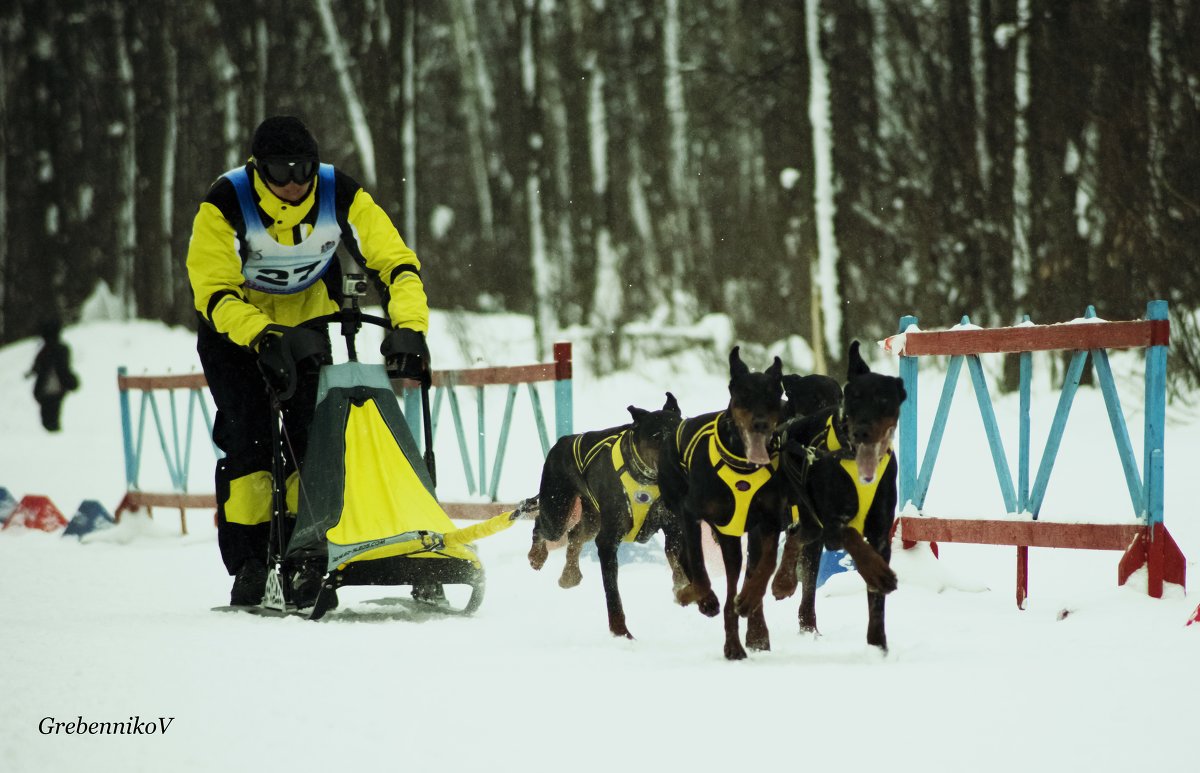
1091 676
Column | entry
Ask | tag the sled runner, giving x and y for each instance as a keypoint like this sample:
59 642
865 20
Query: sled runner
368 514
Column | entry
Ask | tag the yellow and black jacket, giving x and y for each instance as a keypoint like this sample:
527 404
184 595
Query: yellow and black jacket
220 248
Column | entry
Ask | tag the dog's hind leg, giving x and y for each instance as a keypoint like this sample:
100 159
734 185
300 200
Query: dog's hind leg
580 534
731 554
612 594
810 562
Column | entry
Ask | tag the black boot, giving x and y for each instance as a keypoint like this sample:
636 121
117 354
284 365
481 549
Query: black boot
249 584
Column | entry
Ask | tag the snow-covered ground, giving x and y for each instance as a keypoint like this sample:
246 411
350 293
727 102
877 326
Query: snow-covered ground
1091 676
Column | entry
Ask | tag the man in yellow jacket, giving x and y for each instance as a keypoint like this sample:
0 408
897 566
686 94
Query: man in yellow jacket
262 261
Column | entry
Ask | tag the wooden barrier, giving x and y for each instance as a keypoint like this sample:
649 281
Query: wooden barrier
175 441
1145 542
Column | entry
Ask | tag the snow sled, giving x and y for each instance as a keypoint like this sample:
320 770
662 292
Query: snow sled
368 514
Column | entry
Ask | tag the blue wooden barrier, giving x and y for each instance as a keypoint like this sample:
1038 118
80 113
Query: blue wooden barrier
1151 544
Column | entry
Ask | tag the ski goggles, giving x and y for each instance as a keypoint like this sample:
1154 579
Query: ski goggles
282 171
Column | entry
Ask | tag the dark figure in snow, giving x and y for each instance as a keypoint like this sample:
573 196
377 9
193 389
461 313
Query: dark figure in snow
262 261
53 375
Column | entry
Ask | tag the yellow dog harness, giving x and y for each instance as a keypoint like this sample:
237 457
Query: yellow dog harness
865 491
743 478
640 494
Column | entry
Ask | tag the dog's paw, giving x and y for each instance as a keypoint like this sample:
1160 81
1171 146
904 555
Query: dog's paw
880 577
570 577
537 555
746 605
784 585
734 649
709 605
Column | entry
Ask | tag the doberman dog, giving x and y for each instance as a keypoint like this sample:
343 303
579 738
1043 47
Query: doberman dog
809 394
720 471
612 476
841 476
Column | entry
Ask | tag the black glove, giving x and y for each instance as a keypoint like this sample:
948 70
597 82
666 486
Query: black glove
281 349
406 355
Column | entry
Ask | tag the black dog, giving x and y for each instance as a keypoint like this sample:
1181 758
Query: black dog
809 394
612 475
719 471
842 476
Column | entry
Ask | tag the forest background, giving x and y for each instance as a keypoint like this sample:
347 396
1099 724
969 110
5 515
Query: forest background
806 167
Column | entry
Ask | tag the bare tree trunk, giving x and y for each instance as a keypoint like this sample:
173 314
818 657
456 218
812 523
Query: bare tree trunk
555 105
409 127
7 65
980 90
827 306
476 88
354 107
170 151
262 53
1022 220
681 229
639 208
539 259
607 295
126 173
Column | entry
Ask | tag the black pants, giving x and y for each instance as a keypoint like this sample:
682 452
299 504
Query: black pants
242 430
51 410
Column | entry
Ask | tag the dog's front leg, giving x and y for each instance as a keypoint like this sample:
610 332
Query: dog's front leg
699 588
673 548
872 566
784 584
612 595
810 563
765 547
731 554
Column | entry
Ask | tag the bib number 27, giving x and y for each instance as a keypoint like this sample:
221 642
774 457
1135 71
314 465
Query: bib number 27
282 277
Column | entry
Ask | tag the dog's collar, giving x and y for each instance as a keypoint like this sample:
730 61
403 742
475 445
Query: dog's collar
833 438
732 460
641 472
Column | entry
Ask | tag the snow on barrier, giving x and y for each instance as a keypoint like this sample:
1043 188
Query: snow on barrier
175 439
35 511
8 503
91 516
1145 541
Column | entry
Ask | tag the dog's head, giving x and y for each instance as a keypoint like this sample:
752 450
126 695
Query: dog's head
870 411
653 430
809 394
755 403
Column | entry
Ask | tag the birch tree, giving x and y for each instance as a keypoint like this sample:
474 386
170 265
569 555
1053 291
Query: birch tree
126 173
359 127
476 95
826 303
680 228
1021 251
539 260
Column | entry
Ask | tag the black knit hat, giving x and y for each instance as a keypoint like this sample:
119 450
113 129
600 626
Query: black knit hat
283 136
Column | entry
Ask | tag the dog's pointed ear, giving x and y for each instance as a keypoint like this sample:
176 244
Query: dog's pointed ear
857 365
672 405
737 368
637 413
776 370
